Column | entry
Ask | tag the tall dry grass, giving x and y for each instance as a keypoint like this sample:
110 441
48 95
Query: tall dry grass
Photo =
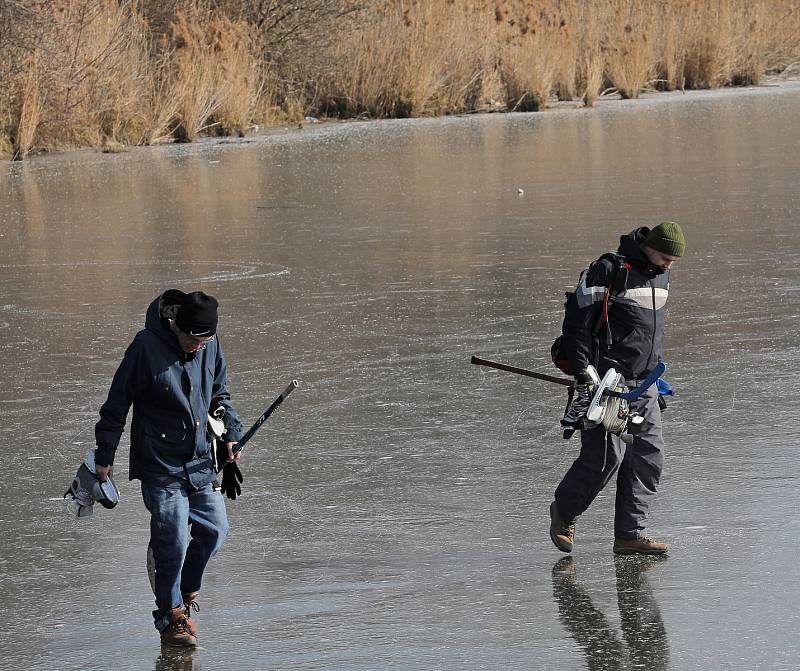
590 59
397 62
535 47
217 78
630 46
27 120
89 72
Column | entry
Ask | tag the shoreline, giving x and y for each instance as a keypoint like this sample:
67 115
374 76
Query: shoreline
308 131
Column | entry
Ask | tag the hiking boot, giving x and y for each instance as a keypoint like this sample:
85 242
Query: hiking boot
562 533
177 631
575 414
643 545
190 604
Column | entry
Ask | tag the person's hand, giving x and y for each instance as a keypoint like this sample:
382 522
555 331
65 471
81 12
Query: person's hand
231 456
103 472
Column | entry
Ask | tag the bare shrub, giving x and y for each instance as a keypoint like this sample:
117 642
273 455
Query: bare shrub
89 58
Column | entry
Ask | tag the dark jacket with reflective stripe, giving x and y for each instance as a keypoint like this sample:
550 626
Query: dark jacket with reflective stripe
171 392
635 313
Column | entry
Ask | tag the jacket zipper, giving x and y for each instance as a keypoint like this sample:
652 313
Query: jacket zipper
655 323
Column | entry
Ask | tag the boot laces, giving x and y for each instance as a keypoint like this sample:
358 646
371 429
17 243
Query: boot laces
190 606
180 626
566 528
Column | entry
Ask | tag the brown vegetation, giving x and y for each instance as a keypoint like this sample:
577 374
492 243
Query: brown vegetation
119 72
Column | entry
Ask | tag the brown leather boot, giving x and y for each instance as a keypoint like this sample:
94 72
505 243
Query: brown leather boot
177 632
643 545
562 533
190 604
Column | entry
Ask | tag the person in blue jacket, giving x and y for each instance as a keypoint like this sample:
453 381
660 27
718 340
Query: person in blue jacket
172 373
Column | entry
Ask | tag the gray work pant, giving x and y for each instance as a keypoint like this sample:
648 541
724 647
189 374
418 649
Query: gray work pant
638 467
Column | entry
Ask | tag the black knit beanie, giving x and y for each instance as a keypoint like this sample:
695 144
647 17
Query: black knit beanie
197 316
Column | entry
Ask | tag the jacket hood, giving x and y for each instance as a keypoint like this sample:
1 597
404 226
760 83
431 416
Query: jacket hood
631 246
158 312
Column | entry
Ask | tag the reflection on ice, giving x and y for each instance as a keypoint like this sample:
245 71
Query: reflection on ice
174 659
643 644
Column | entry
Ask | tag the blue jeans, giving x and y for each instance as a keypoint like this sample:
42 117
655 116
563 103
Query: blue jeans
175 514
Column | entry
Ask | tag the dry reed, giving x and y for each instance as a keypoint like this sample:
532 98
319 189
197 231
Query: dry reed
590 66
113 72
630 50
399 65
533 44
27 121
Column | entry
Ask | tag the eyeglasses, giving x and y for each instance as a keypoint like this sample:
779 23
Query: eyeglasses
201 342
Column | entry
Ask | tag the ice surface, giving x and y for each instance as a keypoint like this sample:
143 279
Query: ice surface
394 513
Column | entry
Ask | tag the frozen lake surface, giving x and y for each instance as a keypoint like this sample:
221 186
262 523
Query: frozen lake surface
394 513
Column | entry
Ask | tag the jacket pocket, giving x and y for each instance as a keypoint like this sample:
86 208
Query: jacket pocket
626 339
167 430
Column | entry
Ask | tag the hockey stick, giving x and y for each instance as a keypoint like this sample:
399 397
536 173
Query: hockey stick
257 424
567 382
632 395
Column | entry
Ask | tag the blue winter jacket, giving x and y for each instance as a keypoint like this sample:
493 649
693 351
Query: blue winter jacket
171 393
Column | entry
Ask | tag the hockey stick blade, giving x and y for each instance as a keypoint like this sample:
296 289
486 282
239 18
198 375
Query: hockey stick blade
650 380
257 424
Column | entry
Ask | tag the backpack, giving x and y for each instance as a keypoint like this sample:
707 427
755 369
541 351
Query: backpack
617 285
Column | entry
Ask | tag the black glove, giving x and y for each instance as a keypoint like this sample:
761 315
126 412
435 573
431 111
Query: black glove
584 377
575 413
231 477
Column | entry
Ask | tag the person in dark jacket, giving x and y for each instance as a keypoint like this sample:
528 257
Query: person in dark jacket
171 373
615 319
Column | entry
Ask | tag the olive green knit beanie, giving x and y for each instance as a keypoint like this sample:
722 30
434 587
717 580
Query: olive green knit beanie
667 238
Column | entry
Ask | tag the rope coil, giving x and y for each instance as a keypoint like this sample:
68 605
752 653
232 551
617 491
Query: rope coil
615 414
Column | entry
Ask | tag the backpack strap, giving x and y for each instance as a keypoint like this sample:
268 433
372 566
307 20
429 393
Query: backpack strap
619 281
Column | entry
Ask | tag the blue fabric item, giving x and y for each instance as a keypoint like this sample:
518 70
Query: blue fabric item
179 561
664 387
171 392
